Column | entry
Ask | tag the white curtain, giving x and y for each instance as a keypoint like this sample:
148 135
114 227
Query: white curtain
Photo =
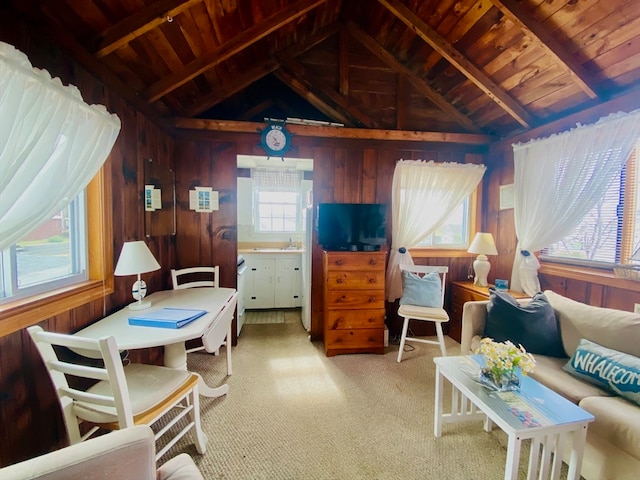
282 178
423 195
557 182
51 144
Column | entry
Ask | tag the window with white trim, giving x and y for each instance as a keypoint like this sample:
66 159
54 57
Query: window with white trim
276 210
609 234
52 256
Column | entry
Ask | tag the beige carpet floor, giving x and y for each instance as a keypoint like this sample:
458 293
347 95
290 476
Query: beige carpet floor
292 413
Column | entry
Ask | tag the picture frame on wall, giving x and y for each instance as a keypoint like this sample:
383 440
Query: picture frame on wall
506 196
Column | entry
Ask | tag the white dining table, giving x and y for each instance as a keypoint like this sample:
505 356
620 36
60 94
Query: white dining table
219 303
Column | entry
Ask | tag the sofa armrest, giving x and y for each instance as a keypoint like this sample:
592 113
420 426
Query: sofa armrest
122 454
474 317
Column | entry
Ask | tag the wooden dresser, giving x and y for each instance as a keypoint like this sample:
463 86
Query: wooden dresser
354 302
462 292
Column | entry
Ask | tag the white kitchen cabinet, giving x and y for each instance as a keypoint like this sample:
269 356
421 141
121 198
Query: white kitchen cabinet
273 281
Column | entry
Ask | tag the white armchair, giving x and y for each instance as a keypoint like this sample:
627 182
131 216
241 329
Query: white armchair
127 454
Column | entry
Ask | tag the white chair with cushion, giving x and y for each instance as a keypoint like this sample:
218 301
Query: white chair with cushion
123 396
423 299
195 277
127 454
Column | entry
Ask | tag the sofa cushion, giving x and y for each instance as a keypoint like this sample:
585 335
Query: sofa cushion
549 372
617 420
602 366
422 291
611 328
532 325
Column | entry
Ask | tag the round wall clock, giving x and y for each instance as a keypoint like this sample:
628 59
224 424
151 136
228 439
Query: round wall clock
276 140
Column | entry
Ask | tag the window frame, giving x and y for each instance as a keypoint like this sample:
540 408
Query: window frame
256 209
21 313
475 214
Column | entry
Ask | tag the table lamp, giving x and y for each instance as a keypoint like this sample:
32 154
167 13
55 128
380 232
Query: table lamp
136 258
483 245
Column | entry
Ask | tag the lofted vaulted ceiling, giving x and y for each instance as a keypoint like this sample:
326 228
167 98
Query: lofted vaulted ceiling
493 67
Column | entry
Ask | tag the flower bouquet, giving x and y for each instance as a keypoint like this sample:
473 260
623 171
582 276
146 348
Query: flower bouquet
502 359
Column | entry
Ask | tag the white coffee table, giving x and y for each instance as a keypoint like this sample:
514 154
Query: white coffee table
533 413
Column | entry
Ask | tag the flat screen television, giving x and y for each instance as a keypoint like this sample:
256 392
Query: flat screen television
352 226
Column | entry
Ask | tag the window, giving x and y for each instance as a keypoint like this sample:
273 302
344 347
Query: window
51 256
276 210
16 314
454 233
610 233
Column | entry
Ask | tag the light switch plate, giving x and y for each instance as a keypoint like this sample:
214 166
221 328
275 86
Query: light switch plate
636 308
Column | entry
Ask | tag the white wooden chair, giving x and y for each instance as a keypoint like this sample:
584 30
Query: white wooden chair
195 277
437 315
124 396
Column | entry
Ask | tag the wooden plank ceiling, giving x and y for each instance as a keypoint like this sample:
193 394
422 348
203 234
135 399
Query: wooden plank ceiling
492 67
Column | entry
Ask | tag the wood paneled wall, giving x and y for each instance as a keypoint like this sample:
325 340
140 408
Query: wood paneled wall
30 419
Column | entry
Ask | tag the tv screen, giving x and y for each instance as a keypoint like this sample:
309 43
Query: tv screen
352 226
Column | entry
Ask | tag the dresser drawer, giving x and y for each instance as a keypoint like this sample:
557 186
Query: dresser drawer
342 280
351 319
358 261
363 338
354 299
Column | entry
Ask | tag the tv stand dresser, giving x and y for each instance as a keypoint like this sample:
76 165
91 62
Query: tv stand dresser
354 310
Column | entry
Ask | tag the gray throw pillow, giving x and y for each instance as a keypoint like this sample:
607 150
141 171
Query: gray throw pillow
422 291
533 325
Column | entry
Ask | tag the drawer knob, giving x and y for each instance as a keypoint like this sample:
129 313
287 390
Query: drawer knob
339 262
339 280
372 261
372 299
372 280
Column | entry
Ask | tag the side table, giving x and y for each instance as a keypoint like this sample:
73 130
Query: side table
462 292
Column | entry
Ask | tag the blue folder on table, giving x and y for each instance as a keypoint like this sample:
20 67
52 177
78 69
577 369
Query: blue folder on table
167 317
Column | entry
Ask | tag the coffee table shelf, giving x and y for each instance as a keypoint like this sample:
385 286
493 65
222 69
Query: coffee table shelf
533 413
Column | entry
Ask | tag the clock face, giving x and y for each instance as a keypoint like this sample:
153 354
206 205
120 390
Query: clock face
276 140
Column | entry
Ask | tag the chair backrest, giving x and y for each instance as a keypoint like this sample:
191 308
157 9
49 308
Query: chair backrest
423 270
112 371
195 277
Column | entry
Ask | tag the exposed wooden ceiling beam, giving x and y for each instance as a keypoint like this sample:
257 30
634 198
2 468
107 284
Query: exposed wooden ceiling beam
138 24
546 41
417 82
335 132
343 63
331 97
228 49
453 56
205 102
305 92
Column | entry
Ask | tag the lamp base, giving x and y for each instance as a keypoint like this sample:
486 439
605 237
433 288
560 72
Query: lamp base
481 267
139 305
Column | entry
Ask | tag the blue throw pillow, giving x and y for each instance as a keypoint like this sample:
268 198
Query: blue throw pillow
422 291
612 370
532 325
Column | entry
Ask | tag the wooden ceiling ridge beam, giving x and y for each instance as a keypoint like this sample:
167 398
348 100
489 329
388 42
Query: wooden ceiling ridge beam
314 83
205 102
238 43
458 60
418 83
322 131
136 25
547 42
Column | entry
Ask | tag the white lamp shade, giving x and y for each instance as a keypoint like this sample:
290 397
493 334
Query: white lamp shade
135 258
483 244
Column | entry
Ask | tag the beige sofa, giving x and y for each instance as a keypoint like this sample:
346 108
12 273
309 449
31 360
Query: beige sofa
613 439
127 454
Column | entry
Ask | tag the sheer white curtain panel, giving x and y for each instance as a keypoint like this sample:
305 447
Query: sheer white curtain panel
558 180
51 144
423 195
